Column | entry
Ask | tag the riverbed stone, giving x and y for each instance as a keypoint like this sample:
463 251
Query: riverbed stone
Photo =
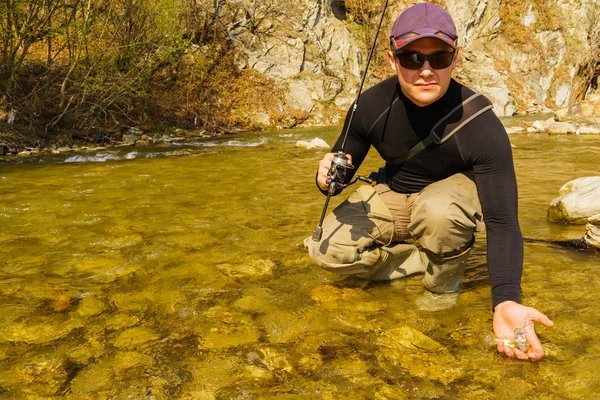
90 306
284 326
38 330
277 362
121 320
256 302
418 354
43 375
135 337
87 352
253 268
578 200
409 337
226 329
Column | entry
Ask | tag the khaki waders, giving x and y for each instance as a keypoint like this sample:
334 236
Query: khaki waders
378 234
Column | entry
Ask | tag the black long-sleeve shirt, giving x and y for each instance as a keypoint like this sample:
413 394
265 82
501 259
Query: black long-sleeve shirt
387 120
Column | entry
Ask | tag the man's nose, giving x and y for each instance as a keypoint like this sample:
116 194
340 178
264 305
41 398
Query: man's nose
426 69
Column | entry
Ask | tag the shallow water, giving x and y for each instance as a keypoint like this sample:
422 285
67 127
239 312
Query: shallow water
180 273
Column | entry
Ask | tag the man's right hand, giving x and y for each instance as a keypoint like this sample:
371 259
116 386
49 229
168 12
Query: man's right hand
324 167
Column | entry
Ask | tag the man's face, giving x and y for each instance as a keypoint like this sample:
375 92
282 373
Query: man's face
425 85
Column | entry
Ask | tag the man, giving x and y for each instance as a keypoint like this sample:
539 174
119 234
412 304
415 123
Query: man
422 217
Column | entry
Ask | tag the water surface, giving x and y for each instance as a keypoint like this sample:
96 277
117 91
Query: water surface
179 272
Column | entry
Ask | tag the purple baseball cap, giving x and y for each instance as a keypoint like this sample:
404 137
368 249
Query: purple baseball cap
420 21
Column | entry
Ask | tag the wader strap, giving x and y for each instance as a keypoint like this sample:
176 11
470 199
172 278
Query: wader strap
450 123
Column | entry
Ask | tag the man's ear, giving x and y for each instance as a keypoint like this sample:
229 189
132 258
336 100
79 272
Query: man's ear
392 60
455 61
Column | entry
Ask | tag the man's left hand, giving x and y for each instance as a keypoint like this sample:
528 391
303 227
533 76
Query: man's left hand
509 316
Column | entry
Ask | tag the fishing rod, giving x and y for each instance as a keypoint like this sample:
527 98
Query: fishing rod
340 163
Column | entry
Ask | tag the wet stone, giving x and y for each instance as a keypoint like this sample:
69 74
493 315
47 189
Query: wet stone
87 352
256 302
135 337
229 336
253 268
284 327
421 356
44 375
121 320
127 360
209 375
43 330
274 360
90 306
408 337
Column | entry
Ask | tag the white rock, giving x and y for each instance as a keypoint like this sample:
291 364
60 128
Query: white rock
538 126
11 117
546 124
316 143
562 127
589 130
515 129
579 201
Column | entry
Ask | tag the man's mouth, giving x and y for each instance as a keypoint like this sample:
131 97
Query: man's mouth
426 85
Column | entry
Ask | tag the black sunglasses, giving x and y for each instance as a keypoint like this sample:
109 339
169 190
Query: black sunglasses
439 60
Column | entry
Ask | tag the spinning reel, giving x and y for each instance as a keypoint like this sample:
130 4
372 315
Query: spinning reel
337 176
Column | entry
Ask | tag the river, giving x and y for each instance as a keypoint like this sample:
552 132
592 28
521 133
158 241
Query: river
179 272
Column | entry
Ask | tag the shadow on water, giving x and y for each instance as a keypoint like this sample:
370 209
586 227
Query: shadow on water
180 273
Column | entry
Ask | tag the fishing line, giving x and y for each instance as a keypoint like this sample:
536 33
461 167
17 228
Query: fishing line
340 162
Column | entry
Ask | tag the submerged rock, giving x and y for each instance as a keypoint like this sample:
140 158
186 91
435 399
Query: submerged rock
135 337
43 375
37 332
254 268
90 306
406 350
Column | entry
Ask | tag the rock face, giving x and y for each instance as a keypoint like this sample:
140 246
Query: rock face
579 201
527 56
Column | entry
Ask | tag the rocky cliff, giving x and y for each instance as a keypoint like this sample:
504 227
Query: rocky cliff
527 56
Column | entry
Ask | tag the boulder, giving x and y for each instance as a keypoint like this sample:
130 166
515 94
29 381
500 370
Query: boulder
578 203
562 127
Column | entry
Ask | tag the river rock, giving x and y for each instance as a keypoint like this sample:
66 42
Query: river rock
592 235
38 331
90 306
135 337
253 268
588 130
129 139
562 127
578 201
42 376
405 349
316 143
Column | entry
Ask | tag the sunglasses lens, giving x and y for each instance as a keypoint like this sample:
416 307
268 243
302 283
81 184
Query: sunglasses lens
411 60
440 60
416 60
